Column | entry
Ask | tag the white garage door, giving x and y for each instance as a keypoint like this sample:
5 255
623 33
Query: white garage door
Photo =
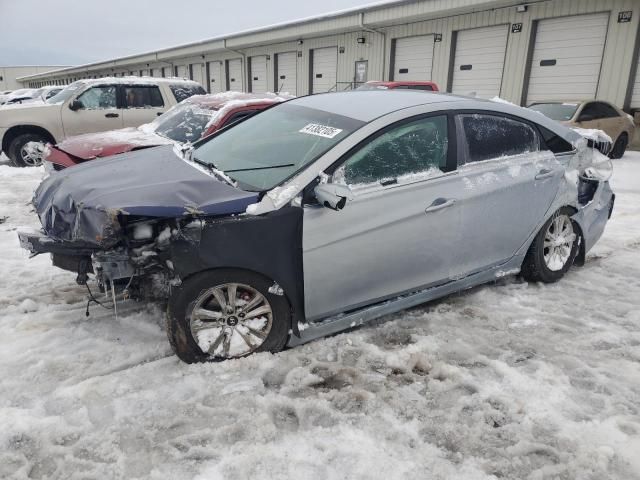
325 66
216 84
567 58
197 73
479 61
182 71
635 95
258 74
413 58
234 75
287 74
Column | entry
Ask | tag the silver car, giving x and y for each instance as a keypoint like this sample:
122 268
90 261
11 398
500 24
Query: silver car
325 212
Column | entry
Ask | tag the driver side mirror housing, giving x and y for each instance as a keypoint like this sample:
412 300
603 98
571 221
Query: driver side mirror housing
75 105
333 195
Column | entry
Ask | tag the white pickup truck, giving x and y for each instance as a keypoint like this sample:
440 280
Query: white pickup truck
87 106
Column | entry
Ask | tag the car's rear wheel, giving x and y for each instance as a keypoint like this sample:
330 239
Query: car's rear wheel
553 250
620 146
27 150
223 314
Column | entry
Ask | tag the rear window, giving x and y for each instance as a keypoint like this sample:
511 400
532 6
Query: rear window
494 136
414 87
560 112
143 97
184 91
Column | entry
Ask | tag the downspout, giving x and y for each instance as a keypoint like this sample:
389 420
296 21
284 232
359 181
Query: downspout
245 83
384 42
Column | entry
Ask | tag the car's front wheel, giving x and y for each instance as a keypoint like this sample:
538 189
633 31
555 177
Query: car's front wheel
223 314
27 150
553 250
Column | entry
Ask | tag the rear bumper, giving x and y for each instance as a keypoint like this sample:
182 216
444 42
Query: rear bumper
593 217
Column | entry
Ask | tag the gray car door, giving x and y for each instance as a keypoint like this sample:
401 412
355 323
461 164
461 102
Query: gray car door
509 184
395 235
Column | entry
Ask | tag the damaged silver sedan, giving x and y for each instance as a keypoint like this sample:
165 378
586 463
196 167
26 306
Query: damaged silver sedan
324 212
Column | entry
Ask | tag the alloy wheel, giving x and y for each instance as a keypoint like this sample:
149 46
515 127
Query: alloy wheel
558 243
31 153
230 320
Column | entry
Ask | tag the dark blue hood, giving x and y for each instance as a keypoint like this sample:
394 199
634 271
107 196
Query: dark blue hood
83 203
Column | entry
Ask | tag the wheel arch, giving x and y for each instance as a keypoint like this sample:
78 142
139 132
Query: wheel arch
12 133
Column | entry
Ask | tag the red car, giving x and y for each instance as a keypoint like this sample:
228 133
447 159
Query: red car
189 121
408 85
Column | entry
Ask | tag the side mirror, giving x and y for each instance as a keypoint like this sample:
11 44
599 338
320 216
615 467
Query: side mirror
75 105
333 195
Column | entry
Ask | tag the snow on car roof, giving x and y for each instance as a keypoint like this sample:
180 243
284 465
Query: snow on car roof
215 101
136 80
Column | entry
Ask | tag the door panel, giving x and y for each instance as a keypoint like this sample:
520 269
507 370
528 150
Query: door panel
413 58
216 83
381 244
234 75
99 112
143 104
258 74
286 77
325 69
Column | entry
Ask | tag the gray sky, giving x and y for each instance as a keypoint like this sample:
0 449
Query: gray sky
81 31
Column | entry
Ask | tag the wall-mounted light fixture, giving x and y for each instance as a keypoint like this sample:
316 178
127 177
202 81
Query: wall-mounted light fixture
300 42
521 8
361 40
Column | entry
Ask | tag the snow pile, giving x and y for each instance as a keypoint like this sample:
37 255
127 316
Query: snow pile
510 380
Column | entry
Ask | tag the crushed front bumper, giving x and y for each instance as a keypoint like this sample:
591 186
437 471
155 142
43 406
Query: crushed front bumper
37 242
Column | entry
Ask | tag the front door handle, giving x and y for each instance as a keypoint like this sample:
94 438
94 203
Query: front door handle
159 113
544 173
439 204
112 115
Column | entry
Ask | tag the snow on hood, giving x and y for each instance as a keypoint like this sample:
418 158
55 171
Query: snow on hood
111 142
84 203
597 136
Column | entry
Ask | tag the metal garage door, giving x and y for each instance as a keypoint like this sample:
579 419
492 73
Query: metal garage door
181 71
258 74
635 94
234 75
216 84
287 73
324 71
197 73
413 58
566 58
479 61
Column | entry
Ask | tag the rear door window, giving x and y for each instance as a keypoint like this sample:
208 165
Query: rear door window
596 111
412 150
143 97
489 136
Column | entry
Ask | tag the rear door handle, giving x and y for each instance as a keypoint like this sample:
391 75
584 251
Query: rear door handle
439 204
112 115
544 173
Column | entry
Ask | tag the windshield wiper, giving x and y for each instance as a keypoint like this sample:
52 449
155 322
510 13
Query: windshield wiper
261 168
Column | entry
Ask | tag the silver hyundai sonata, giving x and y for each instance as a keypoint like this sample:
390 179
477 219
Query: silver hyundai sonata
325 212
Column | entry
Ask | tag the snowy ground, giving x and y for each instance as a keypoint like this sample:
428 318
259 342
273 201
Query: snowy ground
507 381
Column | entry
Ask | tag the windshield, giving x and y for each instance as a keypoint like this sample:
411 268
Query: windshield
283 140
66 93
184 123
561 112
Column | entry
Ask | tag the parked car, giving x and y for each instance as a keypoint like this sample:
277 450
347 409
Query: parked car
192 119
33 95
87 106
392 85
593 114
327 211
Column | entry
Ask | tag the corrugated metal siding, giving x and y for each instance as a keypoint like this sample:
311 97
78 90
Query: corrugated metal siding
405 20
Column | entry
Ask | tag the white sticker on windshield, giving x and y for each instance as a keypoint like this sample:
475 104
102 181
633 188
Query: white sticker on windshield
320 130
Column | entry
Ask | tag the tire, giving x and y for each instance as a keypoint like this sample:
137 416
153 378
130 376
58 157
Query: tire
537 267
195 338
18 156
619 147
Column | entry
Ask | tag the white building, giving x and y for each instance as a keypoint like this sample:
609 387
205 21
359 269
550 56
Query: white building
9 74
520 50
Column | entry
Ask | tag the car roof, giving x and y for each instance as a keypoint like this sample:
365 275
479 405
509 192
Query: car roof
137 80
215 101
367 105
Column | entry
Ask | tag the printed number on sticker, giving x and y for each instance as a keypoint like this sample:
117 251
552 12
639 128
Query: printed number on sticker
320 130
